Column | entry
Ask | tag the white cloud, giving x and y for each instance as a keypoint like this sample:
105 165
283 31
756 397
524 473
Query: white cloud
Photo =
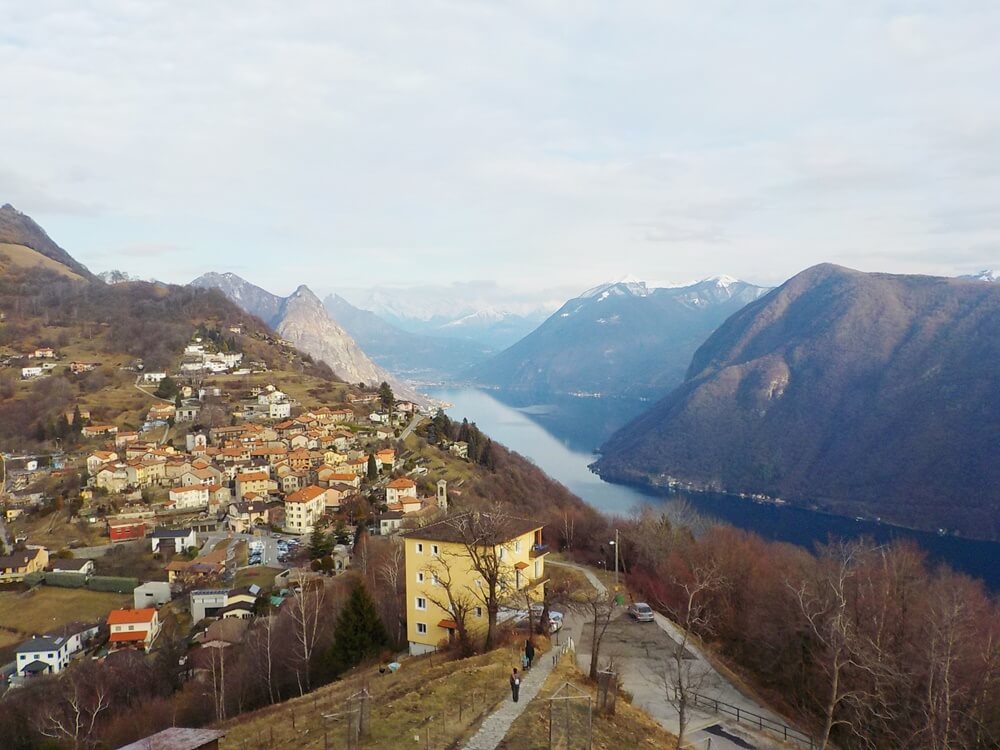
538 144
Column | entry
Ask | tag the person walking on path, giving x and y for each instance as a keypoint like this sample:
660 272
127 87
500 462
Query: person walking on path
515 684
529 653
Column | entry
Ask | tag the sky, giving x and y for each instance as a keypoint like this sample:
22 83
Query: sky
530 145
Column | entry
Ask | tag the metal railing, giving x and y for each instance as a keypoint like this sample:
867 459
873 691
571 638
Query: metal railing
743 716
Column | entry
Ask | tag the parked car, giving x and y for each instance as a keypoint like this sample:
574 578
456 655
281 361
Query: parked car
641 611
555 618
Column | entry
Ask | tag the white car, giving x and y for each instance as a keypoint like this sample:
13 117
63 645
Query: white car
641 611
555 618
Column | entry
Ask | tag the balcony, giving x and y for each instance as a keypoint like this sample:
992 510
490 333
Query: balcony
538 550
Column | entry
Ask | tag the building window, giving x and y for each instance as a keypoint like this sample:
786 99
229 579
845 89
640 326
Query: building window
422 628
434 579
538 568
517 546
479 611
434 549
421 603
420 548
502 554
420 577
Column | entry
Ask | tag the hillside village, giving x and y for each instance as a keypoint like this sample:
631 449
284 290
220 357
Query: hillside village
276 467
227 505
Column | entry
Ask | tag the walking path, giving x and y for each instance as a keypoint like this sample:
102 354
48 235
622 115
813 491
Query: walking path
495 727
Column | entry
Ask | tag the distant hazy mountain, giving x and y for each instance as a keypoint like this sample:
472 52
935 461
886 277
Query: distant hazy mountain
984 275
411 355
622 338
301 319
867 394
20 229
478 312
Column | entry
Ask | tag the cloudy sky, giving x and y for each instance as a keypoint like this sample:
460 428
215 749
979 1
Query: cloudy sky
537 144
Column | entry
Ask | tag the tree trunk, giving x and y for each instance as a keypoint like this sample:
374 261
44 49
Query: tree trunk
831 705
595 646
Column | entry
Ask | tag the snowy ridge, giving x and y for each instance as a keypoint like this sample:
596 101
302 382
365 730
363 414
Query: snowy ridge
987 274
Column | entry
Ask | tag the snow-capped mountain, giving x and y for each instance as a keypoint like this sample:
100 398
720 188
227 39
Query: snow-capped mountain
116 276
491 317
984 275
621 338
418 357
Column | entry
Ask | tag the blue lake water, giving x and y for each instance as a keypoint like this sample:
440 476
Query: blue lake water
560 435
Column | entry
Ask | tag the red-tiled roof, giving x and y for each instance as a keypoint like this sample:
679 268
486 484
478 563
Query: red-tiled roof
131 616
135 635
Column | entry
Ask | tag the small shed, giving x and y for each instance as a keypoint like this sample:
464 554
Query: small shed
151 594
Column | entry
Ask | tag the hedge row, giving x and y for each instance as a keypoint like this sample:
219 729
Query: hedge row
109 584
112 584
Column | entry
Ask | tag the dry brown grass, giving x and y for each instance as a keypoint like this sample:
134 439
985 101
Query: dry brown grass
19 256
448 698
48 607
56 531
627 728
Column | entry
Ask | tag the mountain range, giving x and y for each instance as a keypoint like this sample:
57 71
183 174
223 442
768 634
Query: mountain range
857 393
301 319
621 339
417 357
478 312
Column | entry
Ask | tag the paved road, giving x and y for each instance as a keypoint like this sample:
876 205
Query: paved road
417 419
640 652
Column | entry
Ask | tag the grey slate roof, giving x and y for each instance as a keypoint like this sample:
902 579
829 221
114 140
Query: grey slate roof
41 643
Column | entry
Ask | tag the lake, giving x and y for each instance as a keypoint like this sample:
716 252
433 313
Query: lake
560 435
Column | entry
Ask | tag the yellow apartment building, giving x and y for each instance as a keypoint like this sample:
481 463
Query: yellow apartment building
440 552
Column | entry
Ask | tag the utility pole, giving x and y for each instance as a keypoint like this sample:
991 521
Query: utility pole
616 559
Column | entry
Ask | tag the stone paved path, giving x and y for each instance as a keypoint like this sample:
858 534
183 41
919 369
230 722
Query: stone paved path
494 728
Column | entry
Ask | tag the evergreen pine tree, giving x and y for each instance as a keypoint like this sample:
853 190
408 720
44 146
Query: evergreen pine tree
62 427
488 459
77 425
386 396
359 635
319 543
372 468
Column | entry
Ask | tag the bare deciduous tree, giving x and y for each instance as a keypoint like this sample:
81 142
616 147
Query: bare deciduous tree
824 605
683 676
599 606
304 610
73 718
391 570
487 542
455 597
